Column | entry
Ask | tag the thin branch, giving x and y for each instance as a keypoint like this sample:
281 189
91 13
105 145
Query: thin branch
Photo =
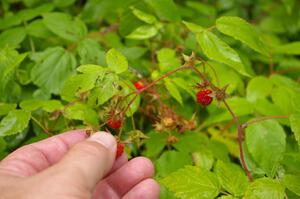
138 92
256 120
240 140
163 77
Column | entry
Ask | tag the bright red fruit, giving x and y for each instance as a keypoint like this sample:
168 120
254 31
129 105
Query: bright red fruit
203 97
114 123
120 150
139 85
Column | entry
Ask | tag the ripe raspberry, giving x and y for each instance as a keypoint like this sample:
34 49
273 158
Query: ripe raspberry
120 150
203 97
114 123
139 85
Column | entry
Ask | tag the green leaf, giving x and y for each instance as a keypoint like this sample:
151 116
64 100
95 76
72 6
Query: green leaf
6 108
155 144
145 17
90 52
172 88
133 53
3 145
193 27
126 90
47 105
264 188
12 37
203 159
170 161
9 62
24 15
38 29
165 9
241 30
292 48
15 122
266 143
53 67
62 25
255 90
15 140
181 83
143 32
232 178
193 183
83 112
295 126
219 150
63 4
287 105
292 182
116 61
240 107
195 140
227 197
91 69
80 83
167 60
265 107
204 8
285 81
289 4
216 49
223 75
106 88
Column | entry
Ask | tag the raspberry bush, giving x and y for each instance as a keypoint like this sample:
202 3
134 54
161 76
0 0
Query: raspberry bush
208 90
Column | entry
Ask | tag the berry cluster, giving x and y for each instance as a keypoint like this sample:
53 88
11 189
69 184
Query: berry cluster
204 97
114 123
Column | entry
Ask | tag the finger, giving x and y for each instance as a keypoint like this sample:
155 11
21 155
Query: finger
33 158
147 189
87 162
122 180
118 163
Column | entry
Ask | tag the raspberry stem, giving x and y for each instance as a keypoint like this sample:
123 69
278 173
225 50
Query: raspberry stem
191 65
240 140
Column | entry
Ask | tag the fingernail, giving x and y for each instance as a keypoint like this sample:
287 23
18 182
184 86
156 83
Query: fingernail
106 139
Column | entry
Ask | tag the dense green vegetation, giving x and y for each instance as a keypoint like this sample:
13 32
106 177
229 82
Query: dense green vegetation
209 90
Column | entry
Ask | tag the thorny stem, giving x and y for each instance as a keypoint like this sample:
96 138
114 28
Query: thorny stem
212 86
240 140
235 119
256 120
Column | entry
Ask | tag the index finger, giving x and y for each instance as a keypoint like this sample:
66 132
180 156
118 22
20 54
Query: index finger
31 159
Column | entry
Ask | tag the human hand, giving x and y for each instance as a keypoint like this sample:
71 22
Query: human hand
73 167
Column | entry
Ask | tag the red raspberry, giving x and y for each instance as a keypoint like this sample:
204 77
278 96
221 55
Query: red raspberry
114 123
120 150
139 85
203 97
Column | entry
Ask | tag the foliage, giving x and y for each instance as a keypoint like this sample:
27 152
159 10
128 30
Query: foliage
73 64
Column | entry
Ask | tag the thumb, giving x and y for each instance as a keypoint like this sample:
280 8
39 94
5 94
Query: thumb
88 161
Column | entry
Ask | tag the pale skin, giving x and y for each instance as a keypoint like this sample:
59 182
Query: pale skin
72 166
